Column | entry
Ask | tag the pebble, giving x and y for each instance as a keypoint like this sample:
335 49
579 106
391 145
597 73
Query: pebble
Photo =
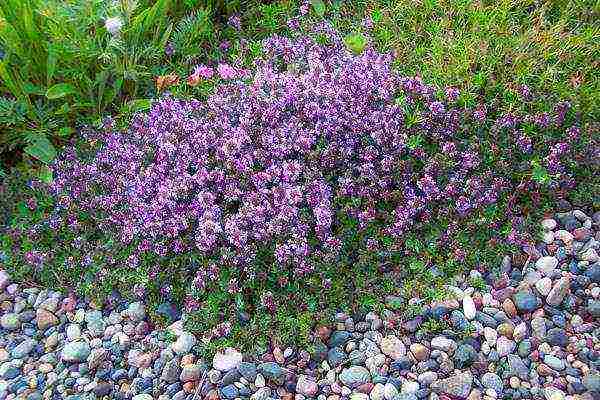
354 376
227 360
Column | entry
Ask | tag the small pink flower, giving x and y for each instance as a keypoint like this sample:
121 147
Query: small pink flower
226 71
200 72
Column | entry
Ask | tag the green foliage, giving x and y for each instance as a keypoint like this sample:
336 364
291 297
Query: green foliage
192 30
62 68
319 7
355 42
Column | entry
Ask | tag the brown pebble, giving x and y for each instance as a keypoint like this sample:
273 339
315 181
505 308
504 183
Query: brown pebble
187 359
278 354
212 395
509 308
323 332
545 370
365 388
190 387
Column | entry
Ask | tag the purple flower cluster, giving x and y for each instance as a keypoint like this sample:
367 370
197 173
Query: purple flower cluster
281 158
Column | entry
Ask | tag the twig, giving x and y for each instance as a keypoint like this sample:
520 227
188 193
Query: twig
200 384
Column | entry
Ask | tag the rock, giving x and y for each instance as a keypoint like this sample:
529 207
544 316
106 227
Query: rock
142 396
593 308
136 311
227 360
103 389
543 286
306 386
457 385
10 322
261 394
184 343
171 371
419 351
538 327
520 332
554 362
490 380
393 347
593 273
557 337
4 280
558 292
229 392
469 308
546 265
335 356
190 373
23 349
525 301
591 382
75 352
377 392
354 376
338 338
505 346
273 372
73 332
506 329
491 336
552 393
247 370
464 356
549 224
516 367
45 319
96 357
444 344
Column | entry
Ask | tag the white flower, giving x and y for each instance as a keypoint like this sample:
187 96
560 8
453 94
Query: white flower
113 25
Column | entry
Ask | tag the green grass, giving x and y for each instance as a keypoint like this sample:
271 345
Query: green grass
485 48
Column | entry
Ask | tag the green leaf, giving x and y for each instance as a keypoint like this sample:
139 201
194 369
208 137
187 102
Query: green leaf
41 149
65 131
376 16
137 105
539 173
355 43
51 62
45 174
319 7
59 90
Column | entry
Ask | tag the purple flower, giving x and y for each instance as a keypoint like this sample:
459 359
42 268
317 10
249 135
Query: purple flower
235 22
524 143
437 108
452 94
226 71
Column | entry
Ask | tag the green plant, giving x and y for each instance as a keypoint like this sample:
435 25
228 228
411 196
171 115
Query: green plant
65 63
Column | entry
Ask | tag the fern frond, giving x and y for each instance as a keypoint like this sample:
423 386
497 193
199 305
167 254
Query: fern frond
191 32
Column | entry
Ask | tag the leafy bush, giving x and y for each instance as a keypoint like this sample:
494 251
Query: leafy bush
322 164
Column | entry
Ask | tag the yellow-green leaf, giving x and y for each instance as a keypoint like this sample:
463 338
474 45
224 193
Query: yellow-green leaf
59 90
355 43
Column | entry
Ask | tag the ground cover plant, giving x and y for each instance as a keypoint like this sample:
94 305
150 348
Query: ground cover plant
291 177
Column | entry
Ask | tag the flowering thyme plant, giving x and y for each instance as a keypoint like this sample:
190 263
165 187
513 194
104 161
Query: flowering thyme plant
322 157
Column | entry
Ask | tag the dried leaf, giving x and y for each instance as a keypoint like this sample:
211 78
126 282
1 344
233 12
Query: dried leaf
164 81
